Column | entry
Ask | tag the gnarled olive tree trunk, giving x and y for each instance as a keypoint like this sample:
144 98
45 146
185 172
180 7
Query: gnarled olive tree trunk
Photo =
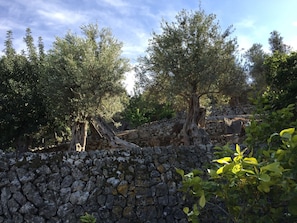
191 134
106 135
79 136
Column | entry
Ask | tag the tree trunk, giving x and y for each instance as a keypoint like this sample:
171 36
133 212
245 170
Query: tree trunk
22 144
191 134
79 136
105 137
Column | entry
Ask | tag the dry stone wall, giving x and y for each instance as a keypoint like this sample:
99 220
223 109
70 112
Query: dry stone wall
164 132
133 185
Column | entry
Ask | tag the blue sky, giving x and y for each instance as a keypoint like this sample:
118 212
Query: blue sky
133 21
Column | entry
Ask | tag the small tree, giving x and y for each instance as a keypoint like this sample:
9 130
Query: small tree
83 74
191 58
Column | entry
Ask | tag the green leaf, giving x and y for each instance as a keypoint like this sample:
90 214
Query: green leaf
220 170
294 138
180 172
224 160
236 168
270 138
238 149
287 132
264 187
212 173
195 210
248 171
264 177
186 210
250 160
197 172
202 200
273 167
266 153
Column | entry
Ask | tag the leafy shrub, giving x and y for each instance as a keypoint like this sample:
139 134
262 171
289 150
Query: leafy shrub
253 189
142 110
87 218
266 121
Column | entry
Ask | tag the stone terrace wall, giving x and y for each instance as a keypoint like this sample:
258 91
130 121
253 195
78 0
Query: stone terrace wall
164 132
136 185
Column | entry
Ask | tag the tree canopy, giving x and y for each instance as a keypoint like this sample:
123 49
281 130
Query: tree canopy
282 78
191 57
79 78
255 57
84 73
22 107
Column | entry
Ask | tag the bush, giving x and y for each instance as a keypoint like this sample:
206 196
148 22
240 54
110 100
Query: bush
252 189
87 218
141 110
266 121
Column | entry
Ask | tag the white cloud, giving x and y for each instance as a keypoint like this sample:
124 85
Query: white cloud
245 23
115 3
292 42
244 42
6 25
129 82
295 23
61 16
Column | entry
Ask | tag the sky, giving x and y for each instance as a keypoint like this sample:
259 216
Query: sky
133 21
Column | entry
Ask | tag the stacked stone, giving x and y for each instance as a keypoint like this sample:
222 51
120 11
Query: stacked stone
136 185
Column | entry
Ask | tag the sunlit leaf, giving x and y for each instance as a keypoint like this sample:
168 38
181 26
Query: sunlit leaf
238 149
250 160
220 170
236 168
287 133
237 159
224 160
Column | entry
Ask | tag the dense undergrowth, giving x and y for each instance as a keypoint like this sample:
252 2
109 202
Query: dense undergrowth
256 183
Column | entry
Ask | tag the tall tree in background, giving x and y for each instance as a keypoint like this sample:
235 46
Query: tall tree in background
22 109
190 58
282 78
84 76
255 58
277 44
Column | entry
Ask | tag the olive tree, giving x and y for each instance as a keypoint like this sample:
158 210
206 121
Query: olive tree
191 57
84 78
